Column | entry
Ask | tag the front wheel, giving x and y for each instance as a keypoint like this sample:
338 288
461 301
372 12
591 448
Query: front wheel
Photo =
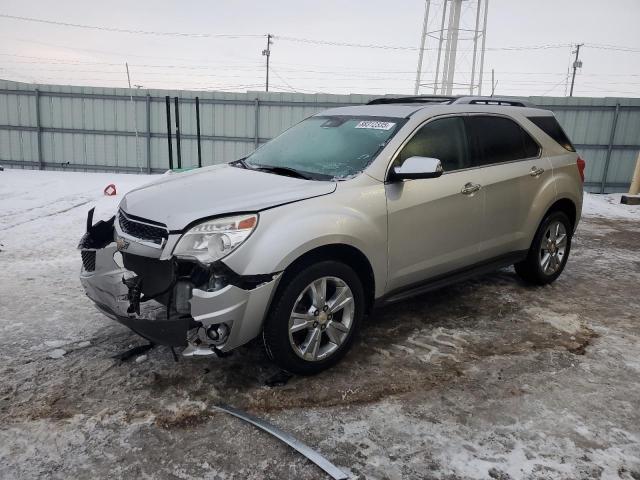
549 251
313 319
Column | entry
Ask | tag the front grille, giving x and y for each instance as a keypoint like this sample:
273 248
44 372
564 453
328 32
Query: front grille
143 231
88 260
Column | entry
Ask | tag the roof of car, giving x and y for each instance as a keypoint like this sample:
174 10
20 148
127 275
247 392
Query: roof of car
401 110
394 111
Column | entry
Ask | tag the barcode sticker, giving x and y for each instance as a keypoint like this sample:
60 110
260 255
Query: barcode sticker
376 125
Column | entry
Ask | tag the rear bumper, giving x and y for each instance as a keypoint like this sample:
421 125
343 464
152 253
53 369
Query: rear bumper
242 310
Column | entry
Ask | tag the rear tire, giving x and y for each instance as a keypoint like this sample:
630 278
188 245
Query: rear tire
549 250
313 319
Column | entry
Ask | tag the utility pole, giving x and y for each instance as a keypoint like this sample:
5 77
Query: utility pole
576 64
267 53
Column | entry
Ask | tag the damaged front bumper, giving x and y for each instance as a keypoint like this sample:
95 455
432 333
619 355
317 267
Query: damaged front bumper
174 302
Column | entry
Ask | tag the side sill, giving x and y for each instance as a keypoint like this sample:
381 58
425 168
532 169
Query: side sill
446 279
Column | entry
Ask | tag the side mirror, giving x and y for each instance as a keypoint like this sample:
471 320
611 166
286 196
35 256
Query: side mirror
418 167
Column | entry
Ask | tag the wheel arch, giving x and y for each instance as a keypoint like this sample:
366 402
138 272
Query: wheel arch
566 206
347 254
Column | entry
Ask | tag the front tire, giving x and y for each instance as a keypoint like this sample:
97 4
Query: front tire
549 251
314 317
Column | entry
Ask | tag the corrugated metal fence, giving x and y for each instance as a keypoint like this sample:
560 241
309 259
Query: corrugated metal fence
107 129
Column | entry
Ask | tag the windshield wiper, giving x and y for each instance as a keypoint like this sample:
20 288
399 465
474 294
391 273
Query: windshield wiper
290 172
240 163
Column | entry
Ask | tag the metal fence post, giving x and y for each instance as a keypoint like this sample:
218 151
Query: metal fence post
256 137
39 131
198 131
169 146
178 147
148 100
612 135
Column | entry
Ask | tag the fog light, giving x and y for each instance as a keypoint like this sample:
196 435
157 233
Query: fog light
218 333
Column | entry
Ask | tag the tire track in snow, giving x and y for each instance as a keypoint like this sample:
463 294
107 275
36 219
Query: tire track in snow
58 212
53 202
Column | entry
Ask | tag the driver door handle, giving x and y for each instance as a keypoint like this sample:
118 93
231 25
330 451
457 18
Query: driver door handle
470 188
536 172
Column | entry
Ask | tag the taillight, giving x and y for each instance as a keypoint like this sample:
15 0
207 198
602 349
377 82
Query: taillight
581 164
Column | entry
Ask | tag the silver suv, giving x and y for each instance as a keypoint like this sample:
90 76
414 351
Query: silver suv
351 208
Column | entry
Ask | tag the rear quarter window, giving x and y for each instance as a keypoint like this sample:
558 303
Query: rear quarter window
550 126
500 139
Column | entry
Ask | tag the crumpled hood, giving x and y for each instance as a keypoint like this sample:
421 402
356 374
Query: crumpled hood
177 199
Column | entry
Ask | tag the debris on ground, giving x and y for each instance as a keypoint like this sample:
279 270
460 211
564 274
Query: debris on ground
279 379
133 351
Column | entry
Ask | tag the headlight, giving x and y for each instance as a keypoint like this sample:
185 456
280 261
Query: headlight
214 239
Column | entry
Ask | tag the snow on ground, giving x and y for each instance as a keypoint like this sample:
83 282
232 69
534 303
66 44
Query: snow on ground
29 195
489 378
609 206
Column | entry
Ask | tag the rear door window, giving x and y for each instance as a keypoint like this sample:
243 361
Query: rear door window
444 139
550 126
500 140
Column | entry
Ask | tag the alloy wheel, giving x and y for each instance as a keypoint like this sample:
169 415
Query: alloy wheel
553 248
321 318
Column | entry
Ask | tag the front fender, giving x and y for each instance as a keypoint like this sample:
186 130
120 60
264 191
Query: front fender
355 215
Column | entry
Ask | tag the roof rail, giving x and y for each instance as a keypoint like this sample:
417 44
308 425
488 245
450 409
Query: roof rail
412 99
513 102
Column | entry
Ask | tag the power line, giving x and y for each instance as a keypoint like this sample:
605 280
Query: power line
125 30
619 48
171 70
283 80
255 72
298 39
410 48
121 55
343 44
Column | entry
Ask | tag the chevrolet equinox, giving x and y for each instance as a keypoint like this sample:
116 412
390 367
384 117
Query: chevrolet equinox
351 208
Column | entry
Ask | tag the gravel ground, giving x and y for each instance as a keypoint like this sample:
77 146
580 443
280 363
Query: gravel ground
489 378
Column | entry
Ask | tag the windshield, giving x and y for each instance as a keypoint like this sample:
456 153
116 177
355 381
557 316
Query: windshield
327 147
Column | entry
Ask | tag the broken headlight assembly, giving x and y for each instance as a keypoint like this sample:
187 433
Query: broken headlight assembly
214 239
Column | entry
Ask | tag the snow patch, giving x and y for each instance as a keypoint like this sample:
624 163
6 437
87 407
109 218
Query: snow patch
568 323
608 206
57 353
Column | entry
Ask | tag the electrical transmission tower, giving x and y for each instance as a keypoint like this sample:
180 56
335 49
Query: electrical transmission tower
449 26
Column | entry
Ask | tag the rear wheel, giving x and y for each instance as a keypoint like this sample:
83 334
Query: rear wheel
549 251
313 319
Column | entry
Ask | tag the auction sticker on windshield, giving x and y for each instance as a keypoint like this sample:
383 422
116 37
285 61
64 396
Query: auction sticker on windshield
376 125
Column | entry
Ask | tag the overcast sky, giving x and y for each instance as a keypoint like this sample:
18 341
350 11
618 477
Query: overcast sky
45 53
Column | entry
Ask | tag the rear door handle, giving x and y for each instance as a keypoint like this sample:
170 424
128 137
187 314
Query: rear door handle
536 172
470 188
